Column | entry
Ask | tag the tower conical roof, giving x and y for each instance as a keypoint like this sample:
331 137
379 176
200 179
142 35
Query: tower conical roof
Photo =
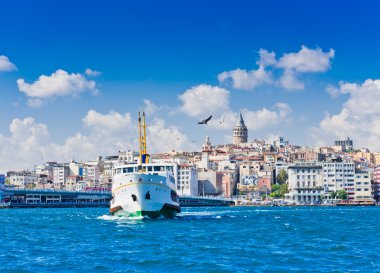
240 121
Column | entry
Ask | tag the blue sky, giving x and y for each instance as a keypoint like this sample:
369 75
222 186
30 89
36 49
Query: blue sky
158 50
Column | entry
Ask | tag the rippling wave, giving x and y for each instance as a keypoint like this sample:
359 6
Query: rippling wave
231 239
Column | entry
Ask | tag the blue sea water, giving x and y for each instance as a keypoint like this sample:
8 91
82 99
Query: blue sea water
223 239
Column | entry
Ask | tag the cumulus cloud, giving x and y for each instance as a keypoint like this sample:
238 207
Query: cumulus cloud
59 83
255 120
247 80
150 108
266 118
113 121
204 99
289 81
163 138
5 64
92 73
30 142
289 66
359 117
307 60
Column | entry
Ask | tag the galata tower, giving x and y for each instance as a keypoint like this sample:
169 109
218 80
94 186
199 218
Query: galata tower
240 132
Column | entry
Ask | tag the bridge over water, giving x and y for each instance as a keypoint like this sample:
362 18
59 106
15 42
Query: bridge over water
63 198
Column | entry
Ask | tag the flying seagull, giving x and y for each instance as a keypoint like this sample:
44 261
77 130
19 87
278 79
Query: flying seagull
205 120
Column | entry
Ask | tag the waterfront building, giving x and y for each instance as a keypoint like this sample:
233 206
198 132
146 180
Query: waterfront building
229 182
128 157
248 183
376 158
60 174
240 131
43 182
108 166
187 181
75 169
46 169
2 186
363 156
280 142
80 185
2 182
376 183
305 183
306 155
363 188
346 144
339 176
71 182
23 179
92 176
210 182
249 169
264 184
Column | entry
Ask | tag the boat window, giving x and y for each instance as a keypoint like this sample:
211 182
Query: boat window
169 168
149 168
159 168
128 170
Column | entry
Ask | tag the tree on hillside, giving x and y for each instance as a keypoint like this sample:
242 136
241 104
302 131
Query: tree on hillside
282 177
342 194
279 190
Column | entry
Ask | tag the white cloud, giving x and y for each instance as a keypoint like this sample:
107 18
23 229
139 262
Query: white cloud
6 65
107 123
344 88
247 80
290 65
307 60
163 138
359 117
25 145
204 100
92 73
59 83
30 143
150 108
266 118
289 81
255 120
266 58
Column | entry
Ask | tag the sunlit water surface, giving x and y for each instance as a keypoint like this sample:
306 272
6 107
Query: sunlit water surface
237 239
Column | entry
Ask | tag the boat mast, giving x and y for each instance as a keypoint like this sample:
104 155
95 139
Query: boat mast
144 157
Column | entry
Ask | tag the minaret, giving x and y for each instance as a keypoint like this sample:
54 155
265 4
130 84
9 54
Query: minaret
240 132
207 145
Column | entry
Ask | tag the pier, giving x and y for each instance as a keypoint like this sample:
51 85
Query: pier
40 198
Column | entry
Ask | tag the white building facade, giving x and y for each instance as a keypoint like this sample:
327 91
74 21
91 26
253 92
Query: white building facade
60 174
187 181
22 180
339 176
363 188
305 183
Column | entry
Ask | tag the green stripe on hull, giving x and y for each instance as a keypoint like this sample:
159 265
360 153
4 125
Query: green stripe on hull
168 213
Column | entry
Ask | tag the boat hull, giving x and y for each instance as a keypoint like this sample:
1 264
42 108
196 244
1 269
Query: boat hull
143 195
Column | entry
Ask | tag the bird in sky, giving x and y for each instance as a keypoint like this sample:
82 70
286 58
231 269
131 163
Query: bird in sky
205 120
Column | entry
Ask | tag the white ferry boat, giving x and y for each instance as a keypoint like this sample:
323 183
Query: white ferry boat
144 189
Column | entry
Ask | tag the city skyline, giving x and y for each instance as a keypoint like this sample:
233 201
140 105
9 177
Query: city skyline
73 76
